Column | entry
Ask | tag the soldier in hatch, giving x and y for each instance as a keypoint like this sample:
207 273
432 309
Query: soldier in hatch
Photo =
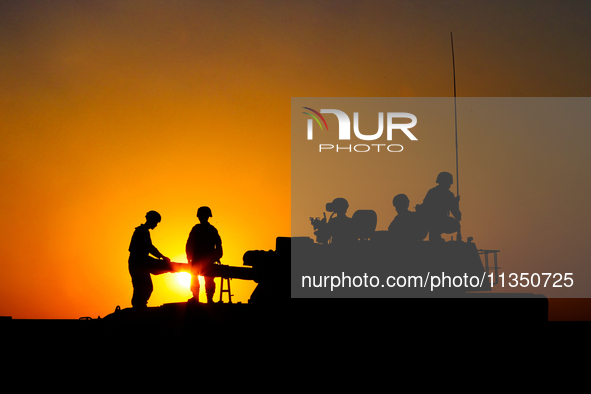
204 248
338 230
407 225
141 265
437 205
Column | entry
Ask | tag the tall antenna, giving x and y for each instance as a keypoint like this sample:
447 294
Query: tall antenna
456 113
456 119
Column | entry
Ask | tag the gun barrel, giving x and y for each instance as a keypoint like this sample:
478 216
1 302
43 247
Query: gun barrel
227 271
222 271
180 267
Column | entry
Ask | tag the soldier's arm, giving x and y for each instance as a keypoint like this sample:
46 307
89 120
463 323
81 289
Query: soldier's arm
218 248
456 208
153 251
151 248
156 253
189 247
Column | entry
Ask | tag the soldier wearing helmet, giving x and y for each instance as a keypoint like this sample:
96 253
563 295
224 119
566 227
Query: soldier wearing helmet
437 205
204 248
338 229
141 265
407 225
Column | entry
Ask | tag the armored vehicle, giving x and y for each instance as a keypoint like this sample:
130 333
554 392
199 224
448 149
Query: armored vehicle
376 264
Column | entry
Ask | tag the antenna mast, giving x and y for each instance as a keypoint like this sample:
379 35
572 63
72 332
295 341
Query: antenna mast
456 112
456 119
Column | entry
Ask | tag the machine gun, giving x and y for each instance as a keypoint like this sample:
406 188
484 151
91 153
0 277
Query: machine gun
270 270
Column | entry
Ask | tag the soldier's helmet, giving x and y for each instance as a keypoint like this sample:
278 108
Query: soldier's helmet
153 216
339 204
204 211
445 178
401 200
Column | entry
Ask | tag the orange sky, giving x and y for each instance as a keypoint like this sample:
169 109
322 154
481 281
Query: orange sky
110 109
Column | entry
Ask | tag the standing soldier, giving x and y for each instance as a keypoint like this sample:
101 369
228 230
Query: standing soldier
204 248
141 265
438 204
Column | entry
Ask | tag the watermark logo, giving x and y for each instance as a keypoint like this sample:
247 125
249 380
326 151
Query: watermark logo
315 117
345 129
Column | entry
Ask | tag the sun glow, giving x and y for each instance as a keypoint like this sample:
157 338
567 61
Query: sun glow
184 279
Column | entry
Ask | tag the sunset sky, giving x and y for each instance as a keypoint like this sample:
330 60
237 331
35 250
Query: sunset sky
110 109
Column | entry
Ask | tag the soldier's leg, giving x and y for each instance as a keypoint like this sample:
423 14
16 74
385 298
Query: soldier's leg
142 288
195 287
209 288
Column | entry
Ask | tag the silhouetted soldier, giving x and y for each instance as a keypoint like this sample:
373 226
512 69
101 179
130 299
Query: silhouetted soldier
407 225
204 248
339 227
436 207
141 265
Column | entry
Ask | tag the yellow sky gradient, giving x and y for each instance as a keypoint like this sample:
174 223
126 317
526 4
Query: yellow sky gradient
109 109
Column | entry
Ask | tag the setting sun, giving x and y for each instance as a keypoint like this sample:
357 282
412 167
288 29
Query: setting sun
184 279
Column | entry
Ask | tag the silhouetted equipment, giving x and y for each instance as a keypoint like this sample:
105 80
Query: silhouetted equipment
436 269
179 267
374 266
226 290
270 271
364 223
267 268
265 309
495 266
372 272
